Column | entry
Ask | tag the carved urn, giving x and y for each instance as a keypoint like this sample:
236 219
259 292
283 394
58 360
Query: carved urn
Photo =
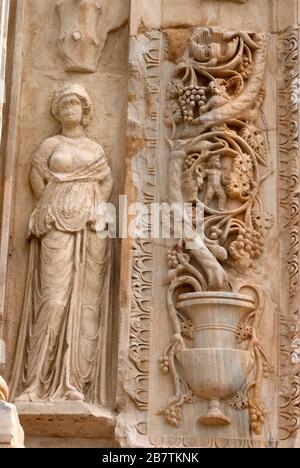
215 368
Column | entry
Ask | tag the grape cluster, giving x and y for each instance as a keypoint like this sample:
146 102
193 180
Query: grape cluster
248 243
192 96
164 364
173 415
172 259
189 161
245 67
215 233
244 333
257 418
267 370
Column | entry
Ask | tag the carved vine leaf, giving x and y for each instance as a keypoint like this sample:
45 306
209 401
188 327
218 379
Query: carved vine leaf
239 401
244 333
226 163
187 329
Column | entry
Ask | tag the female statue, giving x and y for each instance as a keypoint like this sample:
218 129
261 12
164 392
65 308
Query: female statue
61 352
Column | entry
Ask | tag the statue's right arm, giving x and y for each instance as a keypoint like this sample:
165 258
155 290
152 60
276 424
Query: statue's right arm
39 175
37 181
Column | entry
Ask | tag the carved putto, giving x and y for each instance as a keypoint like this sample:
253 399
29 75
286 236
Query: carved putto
62 345
219 160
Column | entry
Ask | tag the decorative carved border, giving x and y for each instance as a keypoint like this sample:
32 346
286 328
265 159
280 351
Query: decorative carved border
142 274
197 442
288 131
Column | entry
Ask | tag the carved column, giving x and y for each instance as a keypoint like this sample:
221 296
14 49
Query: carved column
11 433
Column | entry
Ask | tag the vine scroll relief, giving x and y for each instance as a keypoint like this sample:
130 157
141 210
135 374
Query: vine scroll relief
219 160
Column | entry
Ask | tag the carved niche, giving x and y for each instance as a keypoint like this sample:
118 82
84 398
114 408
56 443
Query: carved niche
219 159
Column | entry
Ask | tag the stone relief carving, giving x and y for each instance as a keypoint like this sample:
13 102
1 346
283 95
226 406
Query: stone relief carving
211 443
79 42
141 304
3 390
219 160
288 128
61 350
84 26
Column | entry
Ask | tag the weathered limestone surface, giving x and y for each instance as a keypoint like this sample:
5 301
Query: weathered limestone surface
183 354
40 68
11 433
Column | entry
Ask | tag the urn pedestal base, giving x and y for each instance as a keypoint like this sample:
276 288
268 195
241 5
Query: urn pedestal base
214 416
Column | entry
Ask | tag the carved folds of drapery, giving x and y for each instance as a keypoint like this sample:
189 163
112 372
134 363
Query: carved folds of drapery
62 346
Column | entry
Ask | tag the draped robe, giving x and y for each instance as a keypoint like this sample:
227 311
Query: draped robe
62 346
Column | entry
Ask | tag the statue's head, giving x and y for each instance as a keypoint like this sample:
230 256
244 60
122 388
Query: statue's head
72 104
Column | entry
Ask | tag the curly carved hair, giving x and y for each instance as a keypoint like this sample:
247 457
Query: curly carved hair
81 93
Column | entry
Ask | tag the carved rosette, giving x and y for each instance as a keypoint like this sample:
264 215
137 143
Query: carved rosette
219 160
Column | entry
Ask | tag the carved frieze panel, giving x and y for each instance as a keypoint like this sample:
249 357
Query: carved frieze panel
219 160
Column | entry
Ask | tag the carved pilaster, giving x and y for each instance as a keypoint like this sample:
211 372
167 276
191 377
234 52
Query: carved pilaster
142 274
288 133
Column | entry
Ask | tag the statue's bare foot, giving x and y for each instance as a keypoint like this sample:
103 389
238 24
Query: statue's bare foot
74 395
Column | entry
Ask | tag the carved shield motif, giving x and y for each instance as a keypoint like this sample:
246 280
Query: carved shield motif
80 42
